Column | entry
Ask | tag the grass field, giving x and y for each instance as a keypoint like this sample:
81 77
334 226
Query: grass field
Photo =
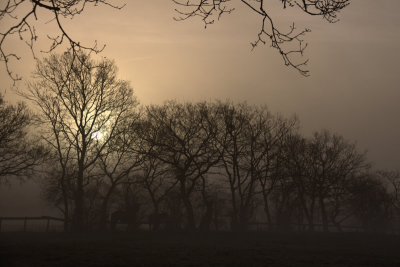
183 249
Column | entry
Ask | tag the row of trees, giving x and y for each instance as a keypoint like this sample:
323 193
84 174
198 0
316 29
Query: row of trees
203 165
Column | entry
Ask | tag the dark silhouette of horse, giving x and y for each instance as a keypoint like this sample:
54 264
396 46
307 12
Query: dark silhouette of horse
124 217
159 221
162 221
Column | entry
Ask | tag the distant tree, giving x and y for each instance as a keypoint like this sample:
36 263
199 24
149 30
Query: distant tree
242 148
289 43
209 197
334 161
58 186
120 159
392 179
298 165
158 180
321 170
156 176
271 170
19 154
284 201
81 103
19 19
250 140
371 203
182 136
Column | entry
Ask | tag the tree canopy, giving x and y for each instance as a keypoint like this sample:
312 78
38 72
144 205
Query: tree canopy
18 155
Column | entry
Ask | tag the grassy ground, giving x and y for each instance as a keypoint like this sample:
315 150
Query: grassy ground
183 249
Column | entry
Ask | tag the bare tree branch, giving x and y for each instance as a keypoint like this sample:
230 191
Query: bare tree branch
18 156
23 26
289 44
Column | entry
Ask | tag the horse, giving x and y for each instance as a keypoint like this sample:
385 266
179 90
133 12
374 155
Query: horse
124 217
159 220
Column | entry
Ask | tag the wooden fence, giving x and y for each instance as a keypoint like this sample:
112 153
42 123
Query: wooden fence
25 221
296 227
47 221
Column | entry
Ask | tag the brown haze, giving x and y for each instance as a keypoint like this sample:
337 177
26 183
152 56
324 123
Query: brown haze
353 89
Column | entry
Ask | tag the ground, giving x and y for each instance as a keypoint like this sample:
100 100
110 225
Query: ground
196 249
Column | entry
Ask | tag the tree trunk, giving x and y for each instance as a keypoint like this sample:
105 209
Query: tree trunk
323 215
308 212
243 219
104 214
154 218
267 211
234 222
66 205
104 208
207 218
78 223
190 224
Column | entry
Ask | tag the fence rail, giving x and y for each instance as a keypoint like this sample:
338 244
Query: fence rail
255 226
317 227
46 219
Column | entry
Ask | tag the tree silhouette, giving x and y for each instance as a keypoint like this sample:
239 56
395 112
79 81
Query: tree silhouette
18 156
334 161
289 43
79 100
275 130
370 202
157 179
240 160
182 136
120 158
22 25
20 18
393 178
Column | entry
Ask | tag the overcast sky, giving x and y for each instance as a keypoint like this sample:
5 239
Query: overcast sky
353 89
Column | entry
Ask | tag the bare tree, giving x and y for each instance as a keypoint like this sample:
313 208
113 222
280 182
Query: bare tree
120 158
334 161
21 16
393 180
271 169
297 164
238 140
58 182
156 176
250 140
182 136
58 185
18 154
370 202
82 103
209 197
289 43
157 181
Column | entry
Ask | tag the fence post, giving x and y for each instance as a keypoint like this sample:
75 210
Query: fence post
48 225
25 220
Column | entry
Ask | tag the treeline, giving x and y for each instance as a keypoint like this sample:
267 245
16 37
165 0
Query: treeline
192 166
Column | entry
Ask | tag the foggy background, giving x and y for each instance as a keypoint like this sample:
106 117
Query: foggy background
353 87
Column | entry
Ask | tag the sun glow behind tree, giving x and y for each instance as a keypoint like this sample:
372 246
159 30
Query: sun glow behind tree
98 136
84 103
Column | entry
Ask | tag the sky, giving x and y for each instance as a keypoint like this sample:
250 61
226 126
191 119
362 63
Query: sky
353 89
